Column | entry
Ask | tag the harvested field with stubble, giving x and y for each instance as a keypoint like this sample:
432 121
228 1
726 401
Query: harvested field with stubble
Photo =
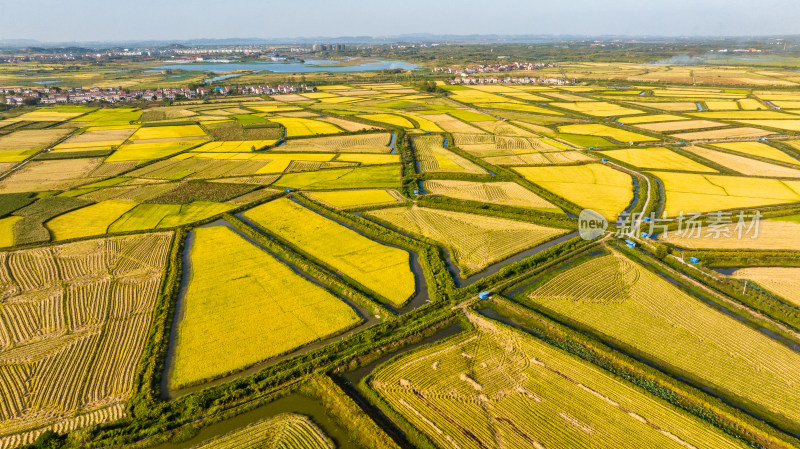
616 298
783 281
284 431
364 143
238 310
380 268
476 241
75 319
727 133
771 235
434 158
499 387
506 193
745 165
554 158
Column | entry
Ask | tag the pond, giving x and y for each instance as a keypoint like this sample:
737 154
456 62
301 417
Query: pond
310 65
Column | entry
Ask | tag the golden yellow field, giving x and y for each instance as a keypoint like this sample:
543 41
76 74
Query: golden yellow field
593 186
783 281
476 241
745 165
90 220
758 149
433 157
243 306
689 192
790 125
168 132
7 230
305 127
344 199
771 235
617 134
380 268
597 108
390 119
622 300
658 158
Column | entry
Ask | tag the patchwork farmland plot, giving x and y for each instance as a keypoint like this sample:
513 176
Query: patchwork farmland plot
592 186
506 193
658 158
477 241
745 165
75 319
238 312
279 432
497 387
771 235
344 199
433 157
618 299
705 193
783 281
380 268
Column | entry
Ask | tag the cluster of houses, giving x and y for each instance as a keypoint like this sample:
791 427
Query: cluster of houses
496 68
464 79
17 96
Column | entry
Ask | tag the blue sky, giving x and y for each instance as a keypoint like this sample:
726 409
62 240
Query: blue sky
84 20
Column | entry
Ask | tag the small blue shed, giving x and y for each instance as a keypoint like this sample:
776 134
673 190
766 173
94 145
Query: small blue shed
603 160
416 192
630 243
647 219
645 235
694 260
484 295
288 190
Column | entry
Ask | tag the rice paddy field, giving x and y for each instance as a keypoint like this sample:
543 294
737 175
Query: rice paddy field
435 158
346 199
771 235
499 387
783 281
689 192
658 158
745 165
618 299
593 186
382 269
506 193
476 241
282 431
75 319
244 290
167 263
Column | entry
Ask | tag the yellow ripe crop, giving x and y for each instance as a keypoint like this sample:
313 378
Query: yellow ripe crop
243 306
380 268
591 186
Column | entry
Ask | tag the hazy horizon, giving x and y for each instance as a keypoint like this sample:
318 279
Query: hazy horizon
93 20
